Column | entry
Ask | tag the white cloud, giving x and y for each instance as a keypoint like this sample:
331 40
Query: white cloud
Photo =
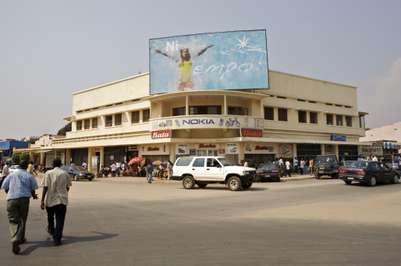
381 97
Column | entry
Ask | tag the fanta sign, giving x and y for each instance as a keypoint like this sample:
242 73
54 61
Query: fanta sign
161 134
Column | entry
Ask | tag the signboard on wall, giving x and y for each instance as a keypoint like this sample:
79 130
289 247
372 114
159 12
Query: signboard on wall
232 148
251 132
161 134
209 61
208 122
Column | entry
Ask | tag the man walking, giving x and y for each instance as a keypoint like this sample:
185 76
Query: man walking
149 171
56 185
19 186
5 172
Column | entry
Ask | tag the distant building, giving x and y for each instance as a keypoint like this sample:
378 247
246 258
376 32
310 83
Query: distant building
385 140
7 146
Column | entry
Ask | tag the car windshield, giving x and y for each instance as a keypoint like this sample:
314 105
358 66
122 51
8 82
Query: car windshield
356 164
267 166
226 162
325 159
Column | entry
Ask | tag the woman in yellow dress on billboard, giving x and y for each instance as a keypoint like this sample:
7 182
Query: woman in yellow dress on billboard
185 66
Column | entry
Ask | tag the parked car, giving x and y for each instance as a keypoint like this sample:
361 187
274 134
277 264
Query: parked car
204 170
368 172
326 165
78 172
268 172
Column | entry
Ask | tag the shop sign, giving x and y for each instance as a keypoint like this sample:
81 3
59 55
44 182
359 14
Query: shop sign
150 148
251 132
264 148
232 148
336 137
207 146
208 122
133 148
161 134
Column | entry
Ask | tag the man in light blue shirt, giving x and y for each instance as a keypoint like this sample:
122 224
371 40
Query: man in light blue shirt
19 186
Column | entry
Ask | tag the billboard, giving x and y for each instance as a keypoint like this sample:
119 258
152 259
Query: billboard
209 61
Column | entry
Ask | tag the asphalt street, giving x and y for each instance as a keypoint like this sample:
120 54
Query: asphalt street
125 221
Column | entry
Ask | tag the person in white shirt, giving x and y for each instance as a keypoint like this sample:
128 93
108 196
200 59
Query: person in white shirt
56 186
288 168
374 158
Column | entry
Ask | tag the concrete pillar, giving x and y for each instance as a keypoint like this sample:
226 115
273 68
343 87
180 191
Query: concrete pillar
186 105
241 150
101 151
323 149
336 151
224 104
89 162
172 152
67 156
294 150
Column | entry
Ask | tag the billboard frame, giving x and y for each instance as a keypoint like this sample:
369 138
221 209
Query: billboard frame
201 33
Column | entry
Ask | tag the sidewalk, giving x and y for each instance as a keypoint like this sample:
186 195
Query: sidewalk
139 178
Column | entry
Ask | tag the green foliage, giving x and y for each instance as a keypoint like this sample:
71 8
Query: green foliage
24 157
16 158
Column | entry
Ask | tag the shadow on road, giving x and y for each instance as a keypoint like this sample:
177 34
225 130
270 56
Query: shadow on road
33 245
224 188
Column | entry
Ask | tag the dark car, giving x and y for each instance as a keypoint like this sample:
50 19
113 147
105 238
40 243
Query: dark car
267 172
326 165
368 172
78 172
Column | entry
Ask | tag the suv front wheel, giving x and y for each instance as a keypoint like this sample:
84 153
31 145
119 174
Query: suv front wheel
234 183
188 182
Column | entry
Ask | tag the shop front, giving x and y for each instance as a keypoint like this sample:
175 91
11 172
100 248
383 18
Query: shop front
154 152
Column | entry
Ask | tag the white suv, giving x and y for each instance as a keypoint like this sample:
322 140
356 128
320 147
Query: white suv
203 170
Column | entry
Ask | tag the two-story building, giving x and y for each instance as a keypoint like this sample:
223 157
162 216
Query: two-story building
296 117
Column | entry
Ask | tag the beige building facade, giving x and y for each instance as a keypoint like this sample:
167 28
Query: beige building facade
296 117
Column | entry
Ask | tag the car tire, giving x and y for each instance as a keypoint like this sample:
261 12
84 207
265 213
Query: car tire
396 179
335 176
90 179
348 182
188 182
202 185
234 183
372 181
247 185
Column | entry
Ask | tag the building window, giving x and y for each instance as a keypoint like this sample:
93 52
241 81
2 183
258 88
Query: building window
237 110
348 121
87 124
94 122
339 120
282 114
205 109
109 120
269 113
302 116
329 119
135 117
178 111
313 117
79 125
145 115
118 119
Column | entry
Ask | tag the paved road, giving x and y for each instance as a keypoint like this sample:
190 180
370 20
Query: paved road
129 222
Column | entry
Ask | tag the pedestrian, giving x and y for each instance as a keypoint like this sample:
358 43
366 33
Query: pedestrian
302 166
287 168
169 170
5 172
19 186
374 158
113 168
56 186
149 171
84 165
245 164
31 169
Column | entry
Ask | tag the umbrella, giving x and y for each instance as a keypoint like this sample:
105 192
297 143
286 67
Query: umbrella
135 160
157 162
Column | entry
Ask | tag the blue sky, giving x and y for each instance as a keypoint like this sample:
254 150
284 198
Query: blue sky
49 49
